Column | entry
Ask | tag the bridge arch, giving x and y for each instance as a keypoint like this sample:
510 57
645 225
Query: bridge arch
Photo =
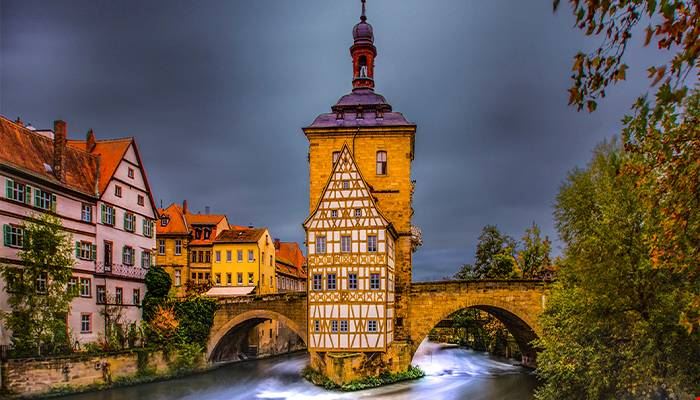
516 304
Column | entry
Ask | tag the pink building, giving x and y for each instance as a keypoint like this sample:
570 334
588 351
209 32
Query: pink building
100 191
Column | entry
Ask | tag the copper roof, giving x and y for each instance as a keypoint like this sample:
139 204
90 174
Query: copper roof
248 235
177 225
31 152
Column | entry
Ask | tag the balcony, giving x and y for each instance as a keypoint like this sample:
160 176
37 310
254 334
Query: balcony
121 271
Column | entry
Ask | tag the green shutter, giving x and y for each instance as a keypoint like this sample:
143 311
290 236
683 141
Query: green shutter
124 250
53 202
28 194
36 197
125 215
6 234
8 188
143 226
77 249
93 254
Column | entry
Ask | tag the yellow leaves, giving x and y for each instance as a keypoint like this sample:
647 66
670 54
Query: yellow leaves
620 74
164 322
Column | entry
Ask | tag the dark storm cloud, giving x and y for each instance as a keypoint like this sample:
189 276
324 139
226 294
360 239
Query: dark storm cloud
216 92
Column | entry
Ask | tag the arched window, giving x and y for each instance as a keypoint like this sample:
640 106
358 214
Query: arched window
381 163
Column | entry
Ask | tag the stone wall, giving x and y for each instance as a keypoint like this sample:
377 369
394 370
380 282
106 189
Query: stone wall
33 377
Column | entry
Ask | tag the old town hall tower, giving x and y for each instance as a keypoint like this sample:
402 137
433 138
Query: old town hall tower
359 232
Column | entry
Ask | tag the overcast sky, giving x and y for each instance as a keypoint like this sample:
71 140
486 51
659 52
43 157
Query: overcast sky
216 92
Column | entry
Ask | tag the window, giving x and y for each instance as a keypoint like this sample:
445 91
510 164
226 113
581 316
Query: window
381 163
72 286
18 191
330 284
317 325
228 255
136 297
336 156
128 255
14 280
118 295
207 233
117 190
147 228
346 184
345 244
198 233
145 259
130 173
178 277
13 236
101 292
372 243
240 278
44 200
194 276
250 278
344 325
164 221
194 256
108 255
317 282
86 212
178 247
139 200
161 247
374 281
334 213
352 281
218 256
239 255
206 277
85 250
358 212
200 256
334 326
129 222
217 278
320 244
251 256
41 282
85 323
371 325
207 256
108 215
228 278
85 287
200 276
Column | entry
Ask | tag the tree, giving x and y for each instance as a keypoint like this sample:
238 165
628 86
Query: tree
495 255
158 284
673 25
611 327
534 257
466 273
38 292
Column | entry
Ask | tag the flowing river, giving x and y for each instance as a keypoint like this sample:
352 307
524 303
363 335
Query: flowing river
451 373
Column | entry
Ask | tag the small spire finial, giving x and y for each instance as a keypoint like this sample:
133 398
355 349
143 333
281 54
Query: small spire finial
363 17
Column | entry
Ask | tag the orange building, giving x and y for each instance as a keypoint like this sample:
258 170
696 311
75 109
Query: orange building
290 267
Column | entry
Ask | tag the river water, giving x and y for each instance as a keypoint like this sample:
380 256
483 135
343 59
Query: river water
451 373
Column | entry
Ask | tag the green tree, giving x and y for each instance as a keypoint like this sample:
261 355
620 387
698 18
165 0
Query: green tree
495 255
38 291
534 256
672 25
158 284
611 328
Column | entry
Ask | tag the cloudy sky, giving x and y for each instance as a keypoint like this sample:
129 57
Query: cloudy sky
216 93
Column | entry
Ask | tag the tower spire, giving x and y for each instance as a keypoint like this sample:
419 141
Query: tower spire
363 17
363 53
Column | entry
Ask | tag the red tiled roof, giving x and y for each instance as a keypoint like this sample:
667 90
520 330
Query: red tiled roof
290 259
247 235
176 225
204 219
111 152
31 152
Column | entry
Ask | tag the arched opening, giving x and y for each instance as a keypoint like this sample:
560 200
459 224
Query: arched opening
255 334
474 327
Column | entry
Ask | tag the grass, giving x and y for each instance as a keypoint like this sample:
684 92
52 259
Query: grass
386 378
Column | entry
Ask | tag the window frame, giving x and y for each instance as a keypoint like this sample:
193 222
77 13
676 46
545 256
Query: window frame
86 212
372 244
320 244
161 247
331 281
382 166
85 284
352 281
345 243
375 284
83 321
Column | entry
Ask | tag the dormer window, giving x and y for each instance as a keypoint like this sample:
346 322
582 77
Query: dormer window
207 233
198 233
164 221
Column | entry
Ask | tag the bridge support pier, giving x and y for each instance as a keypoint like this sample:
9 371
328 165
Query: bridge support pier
345 367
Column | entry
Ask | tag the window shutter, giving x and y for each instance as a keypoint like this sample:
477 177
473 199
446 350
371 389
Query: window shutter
36 198
9 184
28 195
94 252
124 250
6 234
77 249
103 213
53 202
144 227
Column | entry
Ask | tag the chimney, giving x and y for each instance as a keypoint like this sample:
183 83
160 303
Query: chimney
206 210
277 244
59 149
184 207
90 141
18 121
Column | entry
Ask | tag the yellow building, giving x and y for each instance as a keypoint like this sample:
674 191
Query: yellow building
172 244
243 262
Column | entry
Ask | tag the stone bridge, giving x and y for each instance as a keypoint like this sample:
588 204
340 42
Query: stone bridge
517 303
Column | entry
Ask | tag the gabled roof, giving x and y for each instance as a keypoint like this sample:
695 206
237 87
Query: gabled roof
289 259
110 152
247 235
32 153
177 225
345 169
204 219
